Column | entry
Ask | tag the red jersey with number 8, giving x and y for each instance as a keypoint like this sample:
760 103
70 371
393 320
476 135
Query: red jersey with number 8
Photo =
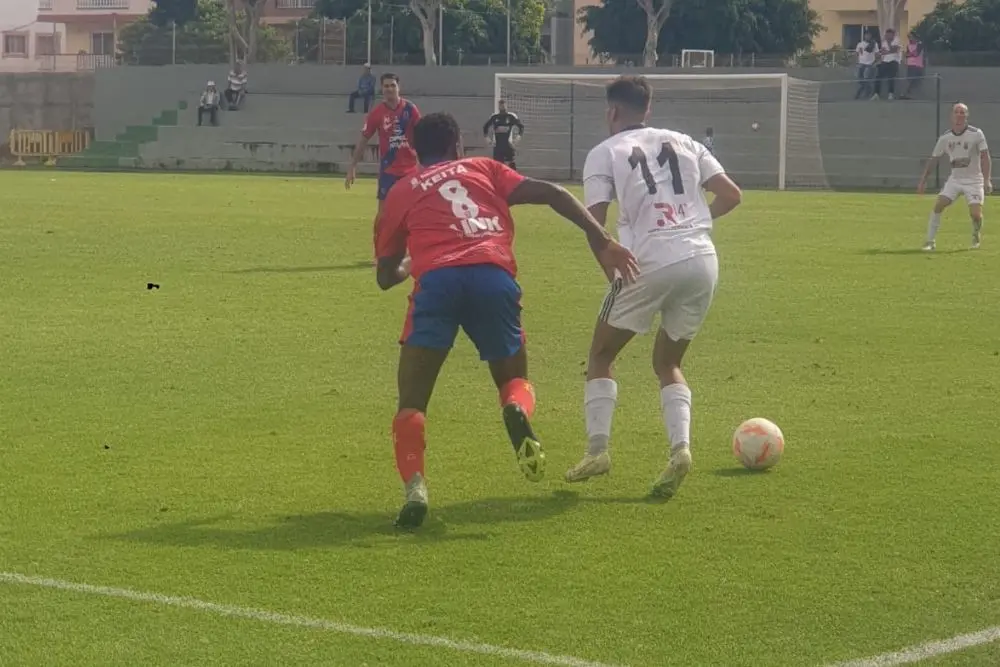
451 214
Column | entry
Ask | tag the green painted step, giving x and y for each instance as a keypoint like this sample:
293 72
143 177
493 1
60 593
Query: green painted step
90 162
140 134
115 149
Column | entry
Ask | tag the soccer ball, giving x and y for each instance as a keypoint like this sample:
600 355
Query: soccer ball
758 443
755 126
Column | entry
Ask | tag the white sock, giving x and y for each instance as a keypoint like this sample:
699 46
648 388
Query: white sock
675 399
599 399
932 226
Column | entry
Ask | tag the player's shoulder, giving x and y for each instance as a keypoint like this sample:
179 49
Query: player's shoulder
663 134
407 105
476 164
977 130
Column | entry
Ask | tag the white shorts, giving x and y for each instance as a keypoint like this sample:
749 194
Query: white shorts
681 293
974 193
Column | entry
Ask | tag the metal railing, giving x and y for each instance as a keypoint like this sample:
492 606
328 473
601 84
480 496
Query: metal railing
44 5
296 4
75 62
102 4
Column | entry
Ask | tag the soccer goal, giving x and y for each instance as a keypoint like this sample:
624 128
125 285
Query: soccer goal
697 58
765 127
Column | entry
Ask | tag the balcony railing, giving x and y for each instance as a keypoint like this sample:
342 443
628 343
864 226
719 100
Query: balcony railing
296 4
73 62
102 4
44 5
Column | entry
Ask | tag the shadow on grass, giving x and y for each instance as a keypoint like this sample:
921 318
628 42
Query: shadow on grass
361 529
354 266
911 251
739 472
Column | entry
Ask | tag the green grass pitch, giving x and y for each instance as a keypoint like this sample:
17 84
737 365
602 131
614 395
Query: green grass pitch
226 438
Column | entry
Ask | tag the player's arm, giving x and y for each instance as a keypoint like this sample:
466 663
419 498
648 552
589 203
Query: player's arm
935 154
519 124
598 184
488 125
612 256
367 132
986 164
393 266
714 179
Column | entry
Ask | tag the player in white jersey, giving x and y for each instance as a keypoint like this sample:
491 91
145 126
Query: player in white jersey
970 176
657 177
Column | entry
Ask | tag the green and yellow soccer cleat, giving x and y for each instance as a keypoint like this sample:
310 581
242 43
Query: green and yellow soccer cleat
589 466
530 457
669 481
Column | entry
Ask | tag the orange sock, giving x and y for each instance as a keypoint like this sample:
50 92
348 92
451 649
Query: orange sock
520 392
408 440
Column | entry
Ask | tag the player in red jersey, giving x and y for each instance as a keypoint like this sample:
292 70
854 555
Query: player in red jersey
449 226
393 119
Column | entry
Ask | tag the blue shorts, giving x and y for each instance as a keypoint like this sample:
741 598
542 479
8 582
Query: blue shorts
482 299
385 182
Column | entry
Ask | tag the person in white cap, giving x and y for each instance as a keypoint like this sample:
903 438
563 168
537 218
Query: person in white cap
210 101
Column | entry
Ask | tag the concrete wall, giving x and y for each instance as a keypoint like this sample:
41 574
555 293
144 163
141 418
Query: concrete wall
854 144
45 102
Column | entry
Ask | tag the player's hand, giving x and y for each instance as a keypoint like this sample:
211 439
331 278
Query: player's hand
349 179
989 187
616 259
920 188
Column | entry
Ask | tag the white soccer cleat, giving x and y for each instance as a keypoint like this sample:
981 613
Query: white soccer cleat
669 481
589 466
928 247
415 508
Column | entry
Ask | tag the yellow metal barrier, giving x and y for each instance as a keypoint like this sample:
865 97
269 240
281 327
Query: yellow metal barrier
47 145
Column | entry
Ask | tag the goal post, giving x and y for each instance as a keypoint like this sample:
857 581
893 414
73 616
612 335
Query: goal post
765 127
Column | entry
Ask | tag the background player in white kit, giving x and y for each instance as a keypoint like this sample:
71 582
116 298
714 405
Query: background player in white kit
970 176
657 177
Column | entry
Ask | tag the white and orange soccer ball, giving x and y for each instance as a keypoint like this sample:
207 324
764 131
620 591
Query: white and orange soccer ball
758 443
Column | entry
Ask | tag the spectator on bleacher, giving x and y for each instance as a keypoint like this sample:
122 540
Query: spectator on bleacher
236 87
914 65
866 51
209 103
888 69
366 90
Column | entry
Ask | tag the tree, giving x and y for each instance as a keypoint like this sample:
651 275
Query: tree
203 40
177 12
889 13
244 28
470 27
655 18
726 26
971 26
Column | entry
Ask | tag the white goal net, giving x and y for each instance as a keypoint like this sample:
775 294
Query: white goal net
765 127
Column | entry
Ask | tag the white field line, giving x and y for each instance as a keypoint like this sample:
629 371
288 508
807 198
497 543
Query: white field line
926 651
535 657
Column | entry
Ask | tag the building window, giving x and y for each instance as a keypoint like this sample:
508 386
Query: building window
15 45
46 45
852 33
102 43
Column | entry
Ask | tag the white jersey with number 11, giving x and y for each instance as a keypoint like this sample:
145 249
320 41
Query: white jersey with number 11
656 176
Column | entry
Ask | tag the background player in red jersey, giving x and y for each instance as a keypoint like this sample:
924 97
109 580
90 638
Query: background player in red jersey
393 119
453 218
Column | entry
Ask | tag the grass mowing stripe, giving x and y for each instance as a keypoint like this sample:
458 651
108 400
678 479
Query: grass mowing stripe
536 657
